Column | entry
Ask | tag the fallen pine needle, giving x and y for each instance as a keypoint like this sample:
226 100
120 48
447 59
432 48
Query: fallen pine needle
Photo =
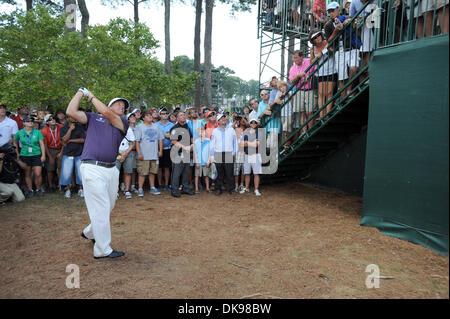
237 265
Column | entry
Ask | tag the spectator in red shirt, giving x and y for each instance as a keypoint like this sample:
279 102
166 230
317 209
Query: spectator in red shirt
53 148
23 111
320 11
212 123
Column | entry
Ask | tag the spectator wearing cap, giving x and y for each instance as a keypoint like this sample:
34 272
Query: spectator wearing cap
127 157
223 150
326 74
149 147
53 149
202 154
8 127
252 161
347 4
132 121
164 162
21 113
73 135
345 56
32 154
212 123
182 141
100 177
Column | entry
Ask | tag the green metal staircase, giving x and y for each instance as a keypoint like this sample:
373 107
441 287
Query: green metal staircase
297 156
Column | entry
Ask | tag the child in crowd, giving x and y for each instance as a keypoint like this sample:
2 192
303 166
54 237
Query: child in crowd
201 158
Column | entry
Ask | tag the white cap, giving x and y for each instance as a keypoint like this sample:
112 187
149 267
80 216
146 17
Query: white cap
345 2
253 117
47 117
131 113
219 116
127 104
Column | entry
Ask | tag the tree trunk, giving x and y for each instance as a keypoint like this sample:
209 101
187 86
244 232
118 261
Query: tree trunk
84 16
29 4
291 49
209 5
136 11
167 36
197 54
70 8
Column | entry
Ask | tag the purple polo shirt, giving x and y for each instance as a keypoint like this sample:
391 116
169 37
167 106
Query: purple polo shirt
102 139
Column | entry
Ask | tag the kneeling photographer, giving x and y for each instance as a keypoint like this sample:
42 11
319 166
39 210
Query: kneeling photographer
9 169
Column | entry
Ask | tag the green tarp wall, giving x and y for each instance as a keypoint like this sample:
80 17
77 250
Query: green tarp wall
344 169
406 175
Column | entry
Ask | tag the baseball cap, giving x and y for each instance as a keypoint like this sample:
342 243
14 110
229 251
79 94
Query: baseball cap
132 113
28 119
163 109
253 117
220 115
47 117
345 2
209 113
127 104
332 5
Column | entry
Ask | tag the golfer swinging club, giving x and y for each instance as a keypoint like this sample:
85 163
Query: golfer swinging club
99 174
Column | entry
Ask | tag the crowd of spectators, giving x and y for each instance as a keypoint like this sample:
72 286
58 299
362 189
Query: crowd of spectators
40 153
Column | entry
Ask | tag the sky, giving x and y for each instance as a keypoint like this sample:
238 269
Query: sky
234 39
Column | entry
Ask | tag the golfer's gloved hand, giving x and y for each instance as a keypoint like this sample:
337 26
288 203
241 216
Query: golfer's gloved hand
85 91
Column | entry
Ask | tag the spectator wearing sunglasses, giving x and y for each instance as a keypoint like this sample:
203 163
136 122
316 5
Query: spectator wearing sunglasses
53 149
212 123
32 154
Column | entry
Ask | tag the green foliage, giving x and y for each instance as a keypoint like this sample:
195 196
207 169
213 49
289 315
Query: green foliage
42 65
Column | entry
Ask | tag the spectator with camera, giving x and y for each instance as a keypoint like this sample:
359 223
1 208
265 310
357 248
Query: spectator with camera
8 175
32 154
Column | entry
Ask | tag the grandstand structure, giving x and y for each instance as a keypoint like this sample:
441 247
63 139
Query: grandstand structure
383 133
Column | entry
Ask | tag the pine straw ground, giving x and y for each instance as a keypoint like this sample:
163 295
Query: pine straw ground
293 242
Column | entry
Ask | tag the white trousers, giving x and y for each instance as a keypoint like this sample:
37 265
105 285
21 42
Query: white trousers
101 186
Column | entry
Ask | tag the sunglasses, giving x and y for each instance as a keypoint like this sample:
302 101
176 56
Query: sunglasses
163 113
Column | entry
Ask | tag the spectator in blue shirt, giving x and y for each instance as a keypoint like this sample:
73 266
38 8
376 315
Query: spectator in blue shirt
202 156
